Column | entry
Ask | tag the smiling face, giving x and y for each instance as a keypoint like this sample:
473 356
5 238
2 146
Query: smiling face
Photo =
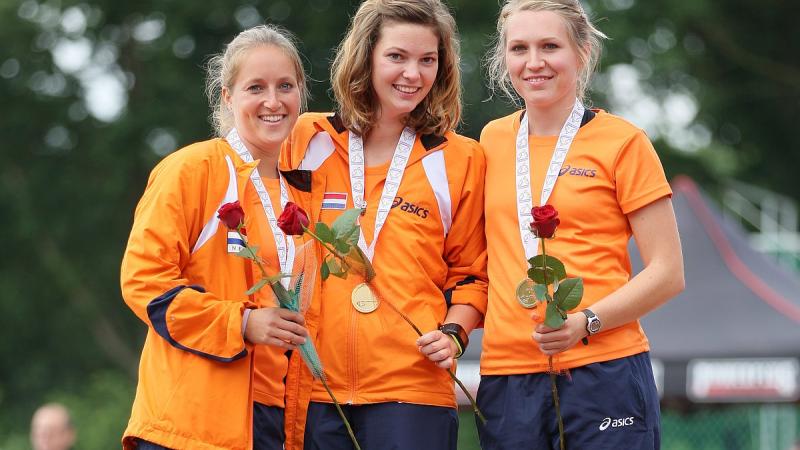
264 98
542 61
405 62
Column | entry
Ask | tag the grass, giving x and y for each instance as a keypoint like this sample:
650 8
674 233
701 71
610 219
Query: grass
467 432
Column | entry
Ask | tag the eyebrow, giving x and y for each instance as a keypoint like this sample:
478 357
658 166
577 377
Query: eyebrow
545 38
291 78
402 50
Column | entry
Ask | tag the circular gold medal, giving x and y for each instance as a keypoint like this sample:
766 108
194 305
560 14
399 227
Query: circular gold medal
525 295
363 299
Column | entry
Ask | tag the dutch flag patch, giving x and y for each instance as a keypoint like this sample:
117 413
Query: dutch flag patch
334 200
235 243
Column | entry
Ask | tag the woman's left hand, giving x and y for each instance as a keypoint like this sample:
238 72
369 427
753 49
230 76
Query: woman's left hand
438 347
556 340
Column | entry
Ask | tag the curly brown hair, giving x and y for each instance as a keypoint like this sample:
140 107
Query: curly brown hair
351 72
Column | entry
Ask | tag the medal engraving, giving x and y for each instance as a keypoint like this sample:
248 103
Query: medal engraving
525 295
363 299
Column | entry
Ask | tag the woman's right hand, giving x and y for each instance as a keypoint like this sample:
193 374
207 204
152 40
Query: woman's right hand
278 327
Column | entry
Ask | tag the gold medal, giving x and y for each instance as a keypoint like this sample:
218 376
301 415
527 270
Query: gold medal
363 299
525 295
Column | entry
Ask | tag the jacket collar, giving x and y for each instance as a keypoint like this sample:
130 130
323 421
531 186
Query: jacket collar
424 144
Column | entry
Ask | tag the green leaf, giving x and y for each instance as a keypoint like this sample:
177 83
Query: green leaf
342 275
540 290
324 271
551 262
552 317
353 237
335 268
537 274
275 278
342 246
569 293
344 225
323 232
248 253
259 284
364 264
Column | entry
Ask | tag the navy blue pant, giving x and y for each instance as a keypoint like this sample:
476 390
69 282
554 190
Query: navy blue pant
611 405
382 426
141 444
268 432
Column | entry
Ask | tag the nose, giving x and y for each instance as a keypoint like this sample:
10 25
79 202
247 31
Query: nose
270 100
411 71
535 60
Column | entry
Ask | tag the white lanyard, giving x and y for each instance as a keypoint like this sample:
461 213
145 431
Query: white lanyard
523 173
390 187
283 243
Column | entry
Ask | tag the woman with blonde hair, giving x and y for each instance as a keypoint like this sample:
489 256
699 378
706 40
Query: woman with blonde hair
390 150
181 274
604 179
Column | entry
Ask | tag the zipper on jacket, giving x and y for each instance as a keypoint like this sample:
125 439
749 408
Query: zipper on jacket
352 364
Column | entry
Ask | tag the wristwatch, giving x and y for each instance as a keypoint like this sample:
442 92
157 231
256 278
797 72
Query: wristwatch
593 324
458 334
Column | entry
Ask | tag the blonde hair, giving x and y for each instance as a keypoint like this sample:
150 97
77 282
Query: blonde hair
351 72
582 33
222 69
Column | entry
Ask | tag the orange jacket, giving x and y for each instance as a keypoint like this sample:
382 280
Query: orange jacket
431 253
195 374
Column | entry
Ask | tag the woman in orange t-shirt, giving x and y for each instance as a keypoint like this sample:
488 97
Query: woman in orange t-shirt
604 178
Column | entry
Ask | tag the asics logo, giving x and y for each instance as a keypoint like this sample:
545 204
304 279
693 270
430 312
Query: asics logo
410 208
615 423
577 171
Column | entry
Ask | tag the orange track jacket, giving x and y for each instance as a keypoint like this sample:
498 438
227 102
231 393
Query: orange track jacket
430 254
195 386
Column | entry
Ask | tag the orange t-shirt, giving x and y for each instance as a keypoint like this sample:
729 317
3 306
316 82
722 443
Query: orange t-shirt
270 363
610 170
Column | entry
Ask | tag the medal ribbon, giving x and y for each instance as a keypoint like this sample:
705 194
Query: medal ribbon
523 173
390 187
284 244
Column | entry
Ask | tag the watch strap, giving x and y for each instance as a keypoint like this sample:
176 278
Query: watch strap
591 319
458 334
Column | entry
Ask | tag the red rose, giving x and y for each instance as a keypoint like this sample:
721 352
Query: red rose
545 221
231 214
293 220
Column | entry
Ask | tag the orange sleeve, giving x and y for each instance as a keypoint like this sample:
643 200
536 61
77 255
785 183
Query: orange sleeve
465 245
152 279
639 176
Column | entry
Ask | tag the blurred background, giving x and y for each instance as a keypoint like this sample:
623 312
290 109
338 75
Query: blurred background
94 93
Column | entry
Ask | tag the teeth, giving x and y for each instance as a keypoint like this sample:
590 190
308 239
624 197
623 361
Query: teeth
406 89
272 118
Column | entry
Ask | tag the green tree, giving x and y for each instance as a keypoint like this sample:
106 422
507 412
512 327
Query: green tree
96 92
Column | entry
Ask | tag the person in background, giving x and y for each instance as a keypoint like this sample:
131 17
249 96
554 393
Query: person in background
52 428
607 184
181 274
390 150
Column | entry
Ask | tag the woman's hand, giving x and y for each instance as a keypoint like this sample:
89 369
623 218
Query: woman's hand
278 327
438 347
557 340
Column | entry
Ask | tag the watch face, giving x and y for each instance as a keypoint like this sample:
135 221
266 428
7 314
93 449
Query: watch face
594 326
